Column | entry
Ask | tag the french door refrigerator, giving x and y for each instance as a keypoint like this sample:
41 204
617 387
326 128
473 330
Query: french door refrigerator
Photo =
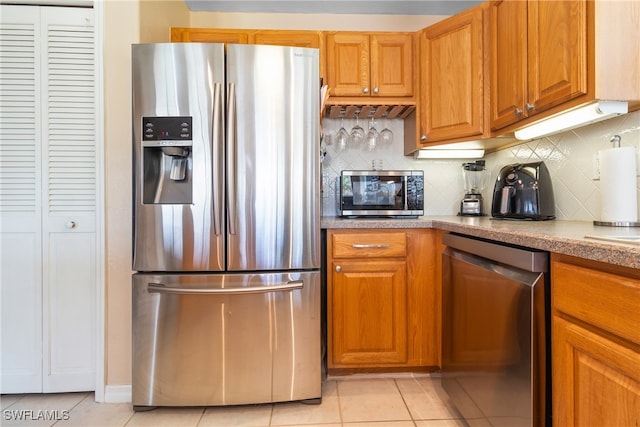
226 227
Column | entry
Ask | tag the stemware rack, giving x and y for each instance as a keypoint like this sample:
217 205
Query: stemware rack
368 111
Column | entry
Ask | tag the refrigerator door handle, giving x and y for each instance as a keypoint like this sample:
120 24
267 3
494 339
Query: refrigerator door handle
217 172
231 156
163 289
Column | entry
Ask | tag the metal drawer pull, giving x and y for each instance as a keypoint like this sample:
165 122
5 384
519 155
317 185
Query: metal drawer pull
370 245
163 289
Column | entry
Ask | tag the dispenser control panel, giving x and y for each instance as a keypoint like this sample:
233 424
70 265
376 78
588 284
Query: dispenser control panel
167 129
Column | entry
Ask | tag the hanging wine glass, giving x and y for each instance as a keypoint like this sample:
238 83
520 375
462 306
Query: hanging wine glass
386 135
342 136
371 140
357 133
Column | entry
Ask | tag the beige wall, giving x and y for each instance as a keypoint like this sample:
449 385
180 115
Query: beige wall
121 28
158 16
147 21
302 21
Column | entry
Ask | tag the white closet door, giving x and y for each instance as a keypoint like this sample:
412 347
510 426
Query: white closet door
69 189
20 201
64 226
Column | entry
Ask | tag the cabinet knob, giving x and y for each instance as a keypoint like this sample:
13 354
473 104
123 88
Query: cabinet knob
376 90
338 268
423 138
365 90
518 112
530 107
70 225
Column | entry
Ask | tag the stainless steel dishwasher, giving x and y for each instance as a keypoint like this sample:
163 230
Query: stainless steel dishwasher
495 332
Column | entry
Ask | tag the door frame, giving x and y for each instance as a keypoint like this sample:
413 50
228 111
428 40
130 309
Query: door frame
98 10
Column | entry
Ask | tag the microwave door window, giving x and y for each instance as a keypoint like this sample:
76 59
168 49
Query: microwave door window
373 192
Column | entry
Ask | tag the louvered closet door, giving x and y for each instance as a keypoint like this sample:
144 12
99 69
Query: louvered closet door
61 158
20 204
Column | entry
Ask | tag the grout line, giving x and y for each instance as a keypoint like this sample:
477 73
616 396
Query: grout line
339 403
395 381
86 396
17 400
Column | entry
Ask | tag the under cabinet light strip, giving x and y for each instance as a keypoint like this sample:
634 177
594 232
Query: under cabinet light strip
572 119
449 154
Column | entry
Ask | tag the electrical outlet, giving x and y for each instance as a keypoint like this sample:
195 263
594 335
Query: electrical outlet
595 173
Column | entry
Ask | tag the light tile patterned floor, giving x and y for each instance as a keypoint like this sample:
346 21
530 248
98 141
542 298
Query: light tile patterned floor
354 401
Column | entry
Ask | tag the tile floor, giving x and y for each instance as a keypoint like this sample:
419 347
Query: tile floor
356 401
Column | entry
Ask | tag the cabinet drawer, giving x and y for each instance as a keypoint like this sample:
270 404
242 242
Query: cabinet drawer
604 299
358 245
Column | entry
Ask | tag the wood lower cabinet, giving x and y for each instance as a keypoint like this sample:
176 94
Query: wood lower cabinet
595 343
382 303
370 302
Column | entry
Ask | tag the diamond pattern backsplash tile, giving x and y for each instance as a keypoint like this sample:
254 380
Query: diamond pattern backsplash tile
569 156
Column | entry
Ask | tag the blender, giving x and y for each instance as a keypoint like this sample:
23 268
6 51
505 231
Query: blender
475 179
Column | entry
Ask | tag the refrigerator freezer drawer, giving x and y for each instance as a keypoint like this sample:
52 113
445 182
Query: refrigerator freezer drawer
227 339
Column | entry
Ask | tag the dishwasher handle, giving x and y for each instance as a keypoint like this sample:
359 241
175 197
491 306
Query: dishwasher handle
164 289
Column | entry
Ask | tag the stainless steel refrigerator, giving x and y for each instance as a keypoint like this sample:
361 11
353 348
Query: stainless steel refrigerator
226 227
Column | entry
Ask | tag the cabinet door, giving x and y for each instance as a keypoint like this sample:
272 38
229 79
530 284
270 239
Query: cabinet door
209 35
508 23
392 64
288 38
557 52
453 74
348 64
596 380
369 313
595 343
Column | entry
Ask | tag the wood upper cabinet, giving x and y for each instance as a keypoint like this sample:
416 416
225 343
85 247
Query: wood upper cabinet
508 70
551 56
288 38
210 35
269 37
595 343
539 56
382 300
312 39
370 64
556 52
453 85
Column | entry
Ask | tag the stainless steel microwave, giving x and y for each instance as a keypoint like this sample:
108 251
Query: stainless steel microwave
381 193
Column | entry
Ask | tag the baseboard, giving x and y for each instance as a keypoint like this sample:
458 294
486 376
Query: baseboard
117 393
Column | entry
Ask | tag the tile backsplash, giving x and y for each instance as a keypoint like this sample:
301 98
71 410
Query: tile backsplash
569 156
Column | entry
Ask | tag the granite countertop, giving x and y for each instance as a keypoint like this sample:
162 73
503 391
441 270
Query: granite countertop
560 236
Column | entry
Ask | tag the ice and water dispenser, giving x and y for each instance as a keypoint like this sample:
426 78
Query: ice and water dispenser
167 160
